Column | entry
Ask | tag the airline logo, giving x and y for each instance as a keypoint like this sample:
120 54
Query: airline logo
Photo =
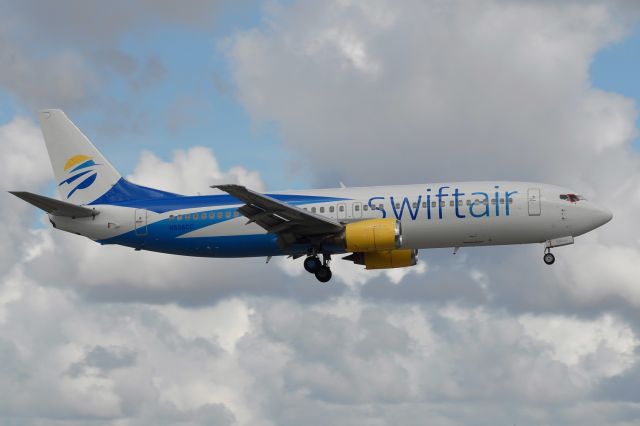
81 171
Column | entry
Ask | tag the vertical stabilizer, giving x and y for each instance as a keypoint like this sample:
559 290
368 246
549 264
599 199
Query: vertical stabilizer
82 173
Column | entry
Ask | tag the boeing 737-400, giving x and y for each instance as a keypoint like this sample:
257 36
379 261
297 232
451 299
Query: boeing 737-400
378 227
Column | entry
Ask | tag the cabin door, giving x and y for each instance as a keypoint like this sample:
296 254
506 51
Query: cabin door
141 222
533 197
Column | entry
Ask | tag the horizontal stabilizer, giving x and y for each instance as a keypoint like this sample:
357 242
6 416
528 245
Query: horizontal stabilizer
55 207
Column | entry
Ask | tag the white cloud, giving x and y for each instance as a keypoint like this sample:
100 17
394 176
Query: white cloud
23 160
263 359
191 171
103 334
493 90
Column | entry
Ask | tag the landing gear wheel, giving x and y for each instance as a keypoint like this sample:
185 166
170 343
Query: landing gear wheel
549 258
312 264
323 274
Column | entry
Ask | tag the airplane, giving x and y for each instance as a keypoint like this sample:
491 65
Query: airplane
379 227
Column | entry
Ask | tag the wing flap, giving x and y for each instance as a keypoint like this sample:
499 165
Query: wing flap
55 207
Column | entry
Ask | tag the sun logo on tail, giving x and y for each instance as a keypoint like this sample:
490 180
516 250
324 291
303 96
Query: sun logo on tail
82 173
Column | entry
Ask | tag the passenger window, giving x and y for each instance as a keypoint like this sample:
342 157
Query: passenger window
501 200
442 204
468 202
381 207
179 217
236 214
341 208
331 209
227 214
321 209
171 217
195 216
485 202
493 201
365 207
219 215
313 209
424 204
397 205
356 207
459 202
510 200
203 216
414 205
451 203
187 216
212 215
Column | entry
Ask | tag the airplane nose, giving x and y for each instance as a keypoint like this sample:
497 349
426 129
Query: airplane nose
601 216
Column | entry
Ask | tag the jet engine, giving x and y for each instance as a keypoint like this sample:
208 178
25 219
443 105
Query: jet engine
385 259
372 235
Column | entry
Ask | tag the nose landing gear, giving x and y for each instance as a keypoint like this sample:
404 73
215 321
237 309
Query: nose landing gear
321 270
556 242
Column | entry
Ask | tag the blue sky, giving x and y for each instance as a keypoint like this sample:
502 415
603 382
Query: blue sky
194 60
616 68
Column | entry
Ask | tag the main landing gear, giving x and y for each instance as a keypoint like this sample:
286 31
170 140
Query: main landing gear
320 269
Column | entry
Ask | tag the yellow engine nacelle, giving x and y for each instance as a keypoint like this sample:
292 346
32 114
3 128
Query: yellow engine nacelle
385 259
372 235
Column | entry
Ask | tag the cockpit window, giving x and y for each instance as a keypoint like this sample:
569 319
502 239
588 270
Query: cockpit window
574 198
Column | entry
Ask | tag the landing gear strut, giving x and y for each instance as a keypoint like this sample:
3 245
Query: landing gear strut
556 242
548 257
321 270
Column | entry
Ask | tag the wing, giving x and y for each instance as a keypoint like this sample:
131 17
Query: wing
277 217
55 207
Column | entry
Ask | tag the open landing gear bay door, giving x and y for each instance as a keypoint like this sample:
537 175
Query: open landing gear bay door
291 223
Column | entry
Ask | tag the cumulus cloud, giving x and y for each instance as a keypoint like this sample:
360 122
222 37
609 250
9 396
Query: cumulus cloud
495 89
491 89
64 78
83 23
191 171
263 348
58 54
426 92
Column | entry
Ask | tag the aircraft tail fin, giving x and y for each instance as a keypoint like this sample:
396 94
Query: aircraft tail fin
83 174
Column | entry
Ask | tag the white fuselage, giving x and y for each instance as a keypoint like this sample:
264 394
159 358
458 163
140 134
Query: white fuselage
432 215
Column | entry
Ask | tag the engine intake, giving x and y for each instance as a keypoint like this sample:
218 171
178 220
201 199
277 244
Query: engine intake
372 235
386 259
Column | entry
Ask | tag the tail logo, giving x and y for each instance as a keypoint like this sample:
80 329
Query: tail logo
81 172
